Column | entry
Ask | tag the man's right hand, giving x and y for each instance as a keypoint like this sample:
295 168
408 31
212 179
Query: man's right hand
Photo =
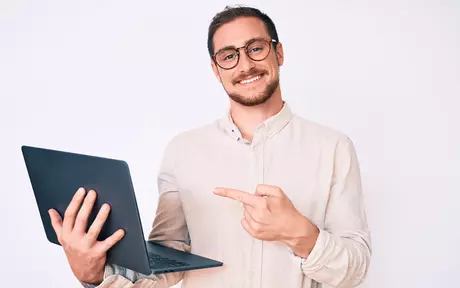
86 255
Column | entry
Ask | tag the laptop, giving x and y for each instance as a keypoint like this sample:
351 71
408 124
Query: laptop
55 177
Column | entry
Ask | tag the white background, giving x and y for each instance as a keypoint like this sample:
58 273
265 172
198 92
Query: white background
120 78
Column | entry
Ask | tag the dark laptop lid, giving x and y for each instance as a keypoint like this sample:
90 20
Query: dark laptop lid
55 177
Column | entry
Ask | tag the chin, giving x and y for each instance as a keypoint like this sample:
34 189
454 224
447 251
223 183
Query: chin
250 101
254 98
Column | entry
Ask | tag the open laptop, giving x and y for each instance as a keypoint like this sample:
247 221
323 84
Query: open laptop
56 176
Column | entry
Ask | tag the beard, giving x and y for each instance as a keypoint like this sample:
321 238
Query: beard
257 98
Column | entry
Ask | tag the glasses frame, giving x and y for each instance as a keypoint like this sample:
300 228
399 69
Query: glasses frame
245 51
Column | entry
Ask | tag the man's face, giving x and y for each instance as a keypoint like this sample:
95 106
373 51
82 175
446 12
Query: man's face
250 82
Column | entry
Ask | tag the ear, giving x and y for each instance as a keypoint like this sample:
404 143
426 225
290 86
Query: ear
280 53
216 70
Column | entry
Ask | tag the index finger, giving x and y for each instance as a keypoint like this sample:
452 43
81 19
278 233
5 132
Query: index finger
238 195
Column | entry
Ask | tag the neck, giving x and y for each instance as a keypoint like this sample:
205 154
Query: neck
248 118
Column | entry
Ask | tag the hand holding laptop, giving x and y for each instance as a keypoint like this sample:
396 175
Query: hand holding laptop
90 235
86 255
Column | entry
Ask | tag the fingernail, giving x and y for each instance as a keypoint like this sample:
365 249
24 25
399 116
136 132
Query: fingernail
81 191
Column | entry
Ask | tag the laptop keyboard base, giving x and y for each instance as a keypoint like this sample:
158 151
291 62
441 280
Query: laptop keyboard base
159 262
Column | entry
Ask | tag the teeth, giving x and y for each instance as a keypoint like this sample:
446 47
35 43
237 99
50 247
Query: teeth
250 80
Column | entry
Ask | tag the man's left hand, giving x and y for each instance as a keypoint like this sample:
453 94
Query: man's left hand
270 215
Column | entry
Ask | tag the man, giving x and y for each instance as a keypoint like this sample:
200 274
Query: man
273 196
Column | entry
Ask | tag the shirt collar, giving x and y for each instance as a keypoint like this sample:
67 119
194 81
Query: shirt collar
271 126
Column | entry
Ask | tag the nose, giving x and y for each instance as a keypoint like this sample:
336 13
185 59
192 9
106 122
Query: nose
245 64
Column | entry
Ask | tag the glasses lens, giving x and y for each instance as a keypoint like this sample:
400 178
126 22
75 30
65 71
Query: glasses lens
258 50
227 58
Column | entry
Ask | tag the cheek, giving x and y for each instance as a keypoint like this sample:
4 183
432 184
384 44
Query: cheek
226 78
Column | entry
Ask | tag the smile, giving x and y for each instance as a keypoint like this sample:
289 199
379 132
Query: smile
250 80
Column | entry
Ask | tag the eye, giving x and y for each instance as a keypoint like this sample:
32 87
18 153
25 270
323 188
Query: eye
229 57
226 55
256 49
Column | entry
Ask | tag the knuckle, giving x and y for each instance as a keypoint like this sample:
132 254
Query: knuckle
100 220
62 238
264 203
78 218
266 214
85 244
79 221
90 235
262 216
69 213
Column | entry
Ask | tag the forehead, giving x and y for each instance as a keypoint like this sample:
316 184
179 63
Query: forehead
239 31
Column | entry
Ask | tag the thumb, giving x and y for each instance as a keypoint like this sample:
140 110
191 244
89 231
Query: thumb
268 190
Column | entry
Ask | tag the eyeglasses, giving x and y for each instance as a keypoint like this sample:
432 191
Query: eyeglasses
256 49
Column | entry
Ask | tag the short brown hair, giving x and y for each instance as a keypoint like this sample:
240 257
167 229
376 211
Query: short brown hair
230 13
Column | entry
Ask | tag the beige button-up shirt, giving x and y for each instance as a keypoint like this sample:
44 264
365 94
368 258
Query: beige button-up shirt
316 167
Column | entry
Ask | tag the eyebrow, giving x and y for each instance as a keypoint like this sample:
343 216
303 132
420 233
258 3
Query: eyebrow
234 47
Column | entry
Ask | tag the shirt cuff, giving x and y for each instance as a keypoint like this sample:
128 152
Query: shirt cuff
111 281
313 262
87 285
109 270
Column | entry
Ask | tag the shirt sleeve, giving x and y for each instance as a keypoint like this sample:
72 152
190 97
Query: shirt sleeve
169 229
342 253
87 285
112 281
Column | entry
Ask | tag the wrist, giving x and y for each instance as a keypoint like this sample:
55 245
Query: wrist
95 279
302 236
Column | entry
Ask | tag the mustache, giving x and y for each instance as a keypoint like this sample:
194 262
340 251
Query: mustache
252 72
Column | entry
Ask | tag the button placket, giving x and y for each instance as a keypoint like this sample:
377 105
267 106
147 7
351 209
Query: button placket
258 160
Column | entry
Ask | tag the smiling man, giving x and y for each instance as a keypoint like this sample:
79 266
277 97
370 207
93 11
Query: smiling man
275 197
